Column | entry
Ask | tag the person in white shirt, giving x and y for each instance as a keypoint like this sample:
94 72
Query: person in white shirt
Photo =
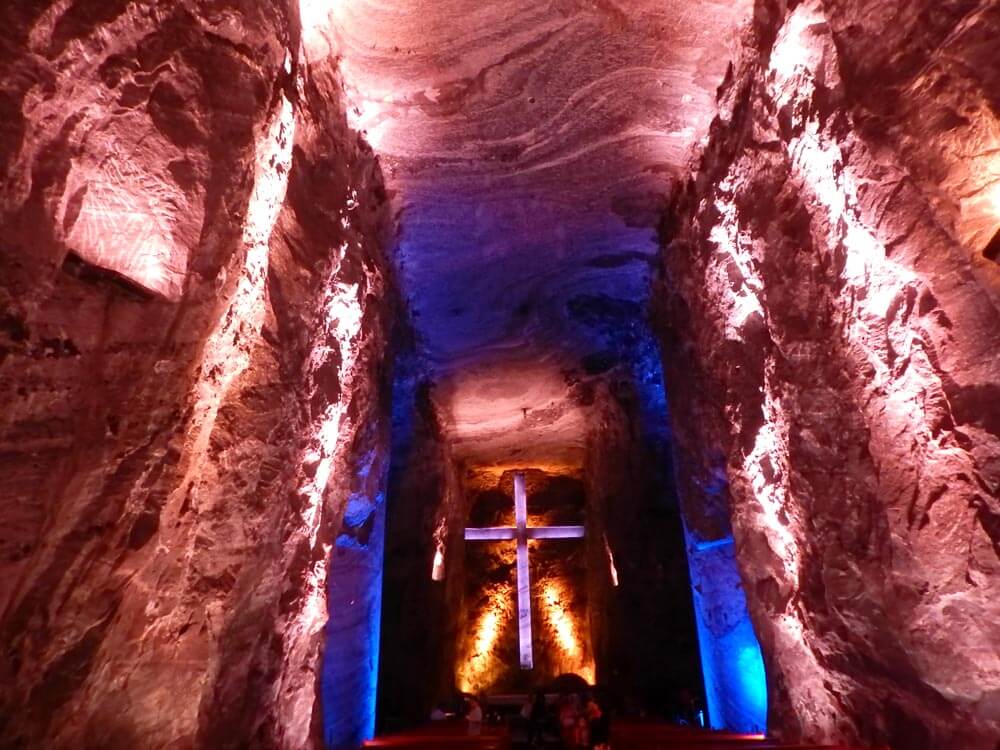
474 716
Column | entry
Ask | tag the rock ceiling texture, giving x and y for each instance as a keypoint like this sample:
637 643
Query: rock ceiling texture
530 148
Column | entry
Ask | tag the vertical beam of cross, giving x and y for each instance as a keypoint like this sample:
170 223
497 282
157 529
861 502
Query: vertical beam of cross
523 573
521 533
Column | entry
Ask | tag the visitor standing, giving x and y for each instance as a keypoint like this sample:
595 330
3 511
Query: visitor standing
536 719
569 715
474 716
597 725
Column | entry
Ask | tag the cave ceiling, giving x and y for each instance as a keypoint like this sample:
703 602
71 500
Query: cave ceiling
529 148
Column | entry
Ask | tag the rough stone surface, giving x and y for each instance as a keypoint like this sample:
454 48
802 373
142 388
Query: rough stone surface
832 344
193 322
195 314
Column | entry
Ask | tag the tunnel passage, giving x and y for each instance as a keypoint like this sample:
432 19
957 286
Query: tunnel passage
614 607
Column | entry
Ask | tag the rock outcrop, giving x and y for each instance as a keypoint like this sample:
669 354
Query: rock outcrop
424 564
831 317
195 313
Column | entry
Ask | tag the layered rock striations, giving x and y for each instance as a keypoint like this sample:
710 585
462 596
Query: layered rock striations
195 312
530 148
831 320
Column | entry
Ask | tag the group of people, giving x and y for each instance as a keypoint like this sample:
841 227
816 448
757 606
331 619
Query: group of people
581 722
572 721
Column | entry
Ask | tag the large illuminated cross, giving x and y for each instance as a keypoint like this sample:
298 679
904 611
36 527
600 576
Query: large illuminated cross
521 533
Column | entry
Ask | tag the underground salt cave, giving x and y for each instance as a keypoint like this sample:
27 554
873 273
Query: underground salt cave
357 355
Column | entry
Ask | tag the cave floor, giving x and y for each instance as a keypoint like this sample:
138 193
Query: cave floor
625 735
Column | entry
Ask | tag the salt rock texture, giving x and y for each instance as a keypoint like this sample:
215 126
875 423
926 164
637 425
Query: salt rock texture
194 314
530 149
832 345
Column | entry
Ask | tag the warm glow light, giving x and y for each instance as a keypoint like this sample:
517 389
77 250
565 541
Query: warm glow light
560 620
611 562
437 569
994 198
762 464
440 534
343 323
795 48
314 614
316 18
125 223
227 351
740 297
370 118
480 663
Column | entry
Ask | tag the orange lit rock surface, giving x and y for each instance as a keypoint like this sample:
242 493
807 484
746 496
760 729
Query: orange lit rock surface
194 312
488 659
832 351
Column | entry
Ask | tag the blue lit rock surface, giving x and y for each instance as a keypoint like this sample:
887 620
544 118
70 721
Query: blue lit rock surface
732 667
351 655
194 316
832 346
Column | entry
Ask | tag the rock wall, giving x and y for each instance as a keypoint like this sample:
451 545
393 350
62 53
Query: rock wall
489 648
351 656
193 318
731 660
830 313
642 621
423 560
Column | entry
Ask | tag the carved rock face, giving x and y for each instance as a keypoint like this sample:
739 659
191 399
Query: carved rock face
195 316
834 354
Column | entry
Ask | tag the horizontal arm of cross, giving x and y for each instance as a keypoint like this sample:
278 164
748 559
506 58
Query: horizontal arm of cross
489 533
554 532
500 533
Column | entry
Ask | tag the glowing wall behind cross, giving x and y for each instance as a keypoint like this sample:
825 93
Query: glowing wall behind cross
732 666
